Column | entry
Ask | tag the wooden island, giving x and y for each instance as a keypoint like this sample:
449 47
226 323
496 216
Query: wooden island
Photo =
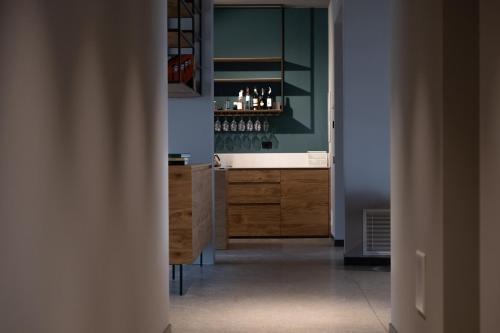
190 213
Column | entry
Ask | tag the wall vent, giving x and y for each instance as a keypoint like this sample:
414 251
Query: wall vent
376 232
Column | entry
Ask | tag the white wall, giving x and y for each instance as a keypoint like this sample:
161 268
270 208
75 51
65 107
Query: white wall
331 112
191 119
363 120
83 245
434 165
337 206
490 165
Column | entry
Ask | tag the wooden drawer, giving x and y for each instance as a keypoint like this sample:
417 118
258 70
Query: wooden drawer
305 203
253 193
253 176
302 220
253 220
309 185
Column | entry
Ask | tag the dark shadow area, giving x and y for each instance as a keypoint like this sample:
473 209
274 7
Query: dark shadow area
287 124
290 66
246 66
291 90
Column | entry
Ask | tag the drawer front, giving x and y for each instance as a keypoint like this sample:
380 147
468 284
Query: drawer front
308 185
253 193
305 220
253 176
254 220
305 203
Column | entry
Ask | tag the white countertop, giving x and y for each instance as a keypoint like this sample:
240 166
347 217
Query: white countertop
275 160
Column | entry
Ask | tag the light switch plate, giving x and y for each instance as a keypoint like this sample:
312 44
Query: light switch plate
420 283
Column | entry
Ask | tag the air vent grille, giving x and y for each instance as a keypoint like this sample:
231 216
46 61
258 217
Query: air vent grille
376 232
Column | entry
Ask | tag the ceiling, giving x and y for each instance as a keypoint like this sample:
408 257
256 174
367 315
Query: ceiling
288 3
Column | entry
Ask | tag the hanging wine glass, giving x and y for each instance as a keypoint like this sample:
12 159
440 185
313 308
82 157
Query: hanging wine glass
257 125
217 125
265 125
234 125
241 125
249 125
225 125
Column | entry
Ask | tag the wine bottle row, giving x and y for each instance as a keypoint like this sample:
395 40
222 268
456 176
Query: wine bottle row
251 101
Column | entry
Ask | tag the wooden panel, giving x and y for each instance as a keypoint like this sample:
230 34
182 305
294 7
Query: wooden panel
306 185
253 220
180 212
190 211
305 197
310 220
220 210
253 176
253 193
202 209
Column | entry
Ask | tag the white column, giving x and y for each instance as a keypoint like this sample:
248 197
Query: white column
83 240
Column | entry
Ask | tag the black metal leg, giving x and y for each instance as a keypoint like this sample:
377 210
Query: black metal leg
173 272
180 280
201 259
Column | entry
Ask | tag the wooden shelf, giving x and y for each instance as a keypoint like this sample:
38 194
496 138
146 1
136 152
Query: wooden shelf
249 113
250 59
249 80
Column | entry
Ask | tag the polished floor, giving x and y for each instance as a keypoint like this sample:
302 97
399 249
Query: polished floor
281 285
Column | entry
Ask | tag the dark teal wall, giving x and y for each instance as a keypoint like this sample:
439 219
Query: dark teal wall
247 32
303 125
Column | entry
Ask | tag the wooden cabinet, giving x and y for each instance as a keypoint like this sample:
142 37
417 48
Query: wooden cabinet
254 176
281 202
254 220
254 193
220 210
253 198
305 203
190 211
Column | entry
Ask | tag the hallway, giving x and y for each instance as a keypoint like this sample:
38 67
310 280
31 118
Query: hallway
282 285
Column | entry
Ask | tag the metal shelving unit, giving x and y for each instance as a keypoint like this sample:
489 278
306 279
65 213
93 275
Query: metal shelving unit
184 48
276 63
249 113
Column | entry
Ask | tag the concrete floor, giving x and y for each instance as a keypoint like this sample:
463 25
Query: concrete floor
281 285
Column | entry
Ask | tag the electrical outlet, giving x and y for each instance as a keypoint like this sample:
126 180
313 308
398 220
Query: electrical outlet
420 283
267 145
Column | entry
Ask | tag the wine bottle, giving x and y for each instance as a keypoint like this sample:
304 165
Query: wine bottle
255 99
239 105
262 100
247 100
269 100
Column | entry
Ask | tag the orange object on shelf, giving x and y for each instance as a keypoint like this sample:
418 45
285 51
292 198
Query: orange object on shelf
180 68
